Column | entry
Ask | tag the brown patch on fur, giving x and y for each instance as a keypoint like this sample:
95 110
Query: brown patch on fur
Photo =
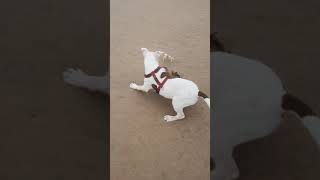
292 103
201 94
175 74
170 75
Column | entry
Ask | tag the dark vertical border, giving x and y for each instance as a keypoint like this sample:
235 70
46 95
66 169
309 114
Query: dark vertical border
107 150
211 79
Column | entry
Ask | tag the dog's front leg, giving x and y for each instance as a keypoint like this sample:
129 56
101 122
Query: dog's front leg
145 87
80 79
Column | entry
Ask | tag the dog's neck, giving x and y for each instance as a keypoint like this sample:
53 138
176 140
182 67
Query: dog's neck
150 64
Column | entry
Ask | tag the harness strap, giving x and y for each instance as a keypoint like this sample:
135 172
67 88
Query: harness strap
153 72
155 78
160 84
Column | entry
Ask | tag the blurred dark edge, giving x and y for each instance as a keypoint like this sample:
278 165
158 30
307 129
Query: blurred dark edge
36 36
283 36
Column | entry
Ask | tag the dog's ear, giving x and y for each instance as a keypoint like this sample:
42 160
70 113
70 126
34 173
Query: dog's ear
144 51
164 56
158 54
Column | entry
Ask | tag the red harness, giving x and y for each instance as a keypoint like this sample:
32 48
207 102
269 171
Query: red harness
159 84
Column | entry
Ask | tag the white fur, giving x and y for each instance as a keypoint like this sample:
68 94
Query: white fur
312 123
183 92
248 98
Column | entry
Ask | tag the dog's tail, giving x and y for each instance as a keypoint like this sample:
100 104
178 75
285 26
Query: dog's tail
205 97
165 55
309 118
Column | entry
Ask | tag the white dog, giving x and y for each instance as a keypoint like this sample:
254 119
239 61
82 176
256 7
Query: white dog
182 92
249 101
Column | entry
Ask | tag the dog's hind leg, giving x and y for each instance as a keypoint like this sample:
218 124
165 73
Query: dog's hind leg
179 103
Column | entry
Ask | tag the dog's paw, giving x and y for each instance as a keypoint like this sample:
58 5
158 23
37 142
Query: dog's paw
168 118
133 85
74 77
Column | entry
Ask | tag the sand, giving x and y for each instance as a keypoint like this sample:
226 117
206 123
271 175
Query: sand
142 145
285 37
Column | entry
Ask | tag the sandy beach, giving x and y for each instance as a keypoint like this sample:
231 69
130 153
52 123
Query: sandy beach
142 145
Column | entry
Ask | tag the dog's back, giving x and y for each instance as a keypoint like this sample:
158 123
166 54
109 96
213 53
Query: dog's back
247 99
179 87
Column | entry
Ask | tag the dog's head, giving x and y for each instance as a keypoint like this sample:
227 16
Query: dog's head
156 56
150 56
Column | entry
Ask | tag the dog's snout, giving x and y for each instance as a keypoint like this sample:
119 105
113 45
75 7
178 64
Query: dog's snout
144 50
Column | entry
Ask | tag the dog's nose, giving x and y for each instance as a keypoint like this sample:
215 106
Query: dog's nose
144 51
